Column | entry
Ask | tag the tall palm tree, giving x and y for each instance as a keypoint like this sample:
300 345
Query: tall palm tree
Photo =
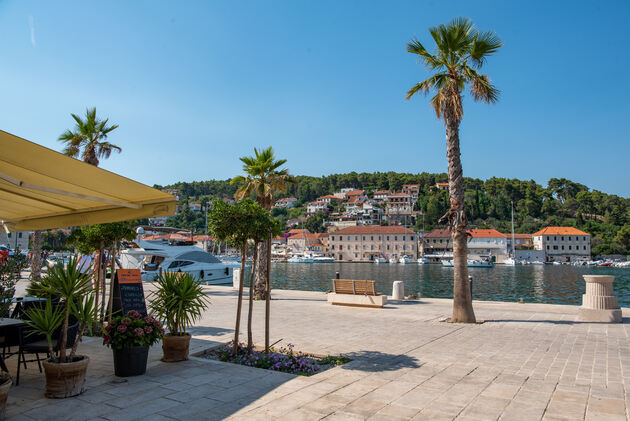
88 141
461 52
88 138
263 178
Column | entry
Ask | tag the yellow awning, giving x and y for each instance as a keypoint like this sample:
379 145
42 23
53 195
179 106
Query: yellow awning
42 189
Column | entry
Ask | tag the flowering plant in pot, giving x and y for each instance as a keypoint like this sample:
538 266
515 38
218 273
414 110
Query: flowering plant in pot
65 372
130 337
179 300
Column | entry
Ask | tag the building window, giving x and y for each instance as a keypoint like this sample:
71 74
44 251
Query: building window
404 238
388 238
440 241
9 235
356 247
547 246
562 247
569 247
332 238
332 247
584 238
569 238
395 238
371 238
363 238
340 247
562 238
584 247
555 247
404 247
412 247
19 235
348 238
547 238
356 255
411 238
388 247
372 247
396 246
356 238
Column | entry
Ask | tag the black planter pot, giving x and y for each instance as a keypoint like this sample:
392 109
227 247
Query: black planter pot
131 361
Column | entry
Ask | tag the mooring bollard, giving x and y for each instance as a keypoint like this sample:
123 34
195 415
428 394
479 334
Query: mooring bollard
470 283
398 290
337 275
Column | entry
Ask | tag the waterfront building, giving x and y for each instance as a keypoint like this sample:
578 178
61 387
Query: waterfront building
364 243
15 240
482 243
399 209
287 202
306 241
521 241
563 244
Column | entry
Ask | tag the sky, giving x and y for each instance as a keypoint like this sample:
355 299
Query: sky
196 85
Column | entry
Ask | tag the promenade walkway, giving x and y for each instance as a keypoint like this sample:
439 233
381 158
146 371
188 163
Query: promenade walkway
525 362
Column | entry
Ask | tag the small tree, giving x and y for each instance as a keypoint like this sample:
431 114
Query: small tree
9 276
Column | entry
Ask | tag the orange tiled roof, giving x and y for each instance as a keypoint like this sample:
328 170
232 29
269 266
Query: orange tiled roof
382 192
355 193
438 233
560 231
485 233
297 231
399 195
441 184
375 229
523 236
329 196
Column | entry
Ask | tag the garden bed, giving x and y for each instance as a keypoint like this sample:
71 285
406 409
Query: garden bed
283 359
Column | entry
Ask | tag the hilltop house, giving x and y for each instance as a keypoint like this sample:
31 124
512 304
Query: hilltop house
413 190
399 209
441 186
563 244
287 202
381 195
364 243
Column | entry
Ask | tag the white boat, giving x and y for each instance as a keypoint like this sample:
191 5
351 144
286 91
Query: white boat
155 256
471 263
323 259
380 260
423 261
404 260
393 260
300 259
509 262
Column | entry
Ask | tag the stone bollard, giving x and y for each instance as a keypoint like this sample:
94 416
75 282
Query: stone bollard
599 304
398 290
236 274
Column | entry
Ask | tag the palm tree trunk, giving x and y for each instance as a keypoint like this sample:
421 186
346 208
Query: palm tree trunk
462 300
36 260
239 304
255 264
263 251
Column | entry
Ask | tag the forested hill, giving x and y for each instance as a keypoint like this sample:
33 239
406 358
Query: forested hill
561 202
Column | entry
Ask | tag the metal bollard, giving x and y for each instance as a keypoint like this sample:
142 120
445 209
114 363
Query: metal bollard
470 283
337 275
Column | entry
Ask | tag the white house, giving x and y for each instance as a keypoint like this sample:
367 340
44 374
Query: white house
286 202
563 244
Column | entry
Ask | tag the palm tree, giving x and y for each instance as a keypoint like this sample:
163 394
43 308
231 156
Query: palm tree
88 141
88 138
461 52
263 178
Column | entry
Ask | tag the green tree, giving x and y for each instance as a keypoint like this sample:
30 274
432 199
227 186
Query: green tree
623 238
88 138
461 51
263 178
315 222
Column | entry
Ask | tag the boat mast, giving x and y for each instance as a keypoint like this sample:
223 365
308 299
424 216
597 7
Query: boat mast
422 245
513 252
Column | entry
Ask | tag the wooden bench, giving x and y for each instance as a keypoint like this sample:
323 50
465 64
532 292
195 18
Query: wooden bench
351 292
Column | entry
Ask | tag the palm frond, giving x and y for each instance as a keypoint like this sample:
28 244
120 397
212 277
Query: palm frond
415 47
484 45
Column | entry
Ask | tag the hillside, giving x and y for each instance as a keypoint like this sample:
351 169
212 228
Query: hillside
561 202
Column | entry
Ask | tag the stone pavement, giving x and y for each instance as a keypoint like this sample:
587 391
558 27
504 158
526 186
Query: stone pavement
525 362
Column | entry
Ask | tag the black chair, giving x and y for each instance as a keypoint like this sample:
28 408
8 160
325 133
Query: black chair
33 344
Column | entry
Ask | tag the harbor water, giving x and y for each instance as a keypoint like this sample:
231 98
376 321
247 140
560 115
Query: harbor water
549 284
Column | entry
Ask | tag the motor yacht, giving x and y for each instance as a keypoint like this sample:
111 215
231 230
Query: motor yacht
471 263
300 259
404 260
155 256
393 260
380 260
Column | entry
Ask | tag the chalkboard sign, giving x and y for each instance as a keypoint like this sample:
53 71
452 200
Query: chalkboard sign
128 292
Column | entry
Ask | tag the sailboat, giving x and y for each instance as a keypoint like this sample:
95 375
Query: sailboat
510 261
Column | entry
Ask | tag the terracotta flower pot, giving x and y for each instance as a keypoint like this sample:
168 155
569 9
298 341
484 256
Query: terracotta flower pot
175 348
64 380
5 385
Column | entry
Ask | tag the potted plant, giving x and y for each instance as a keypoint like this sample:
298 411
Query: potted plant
179 301
130 337
65 373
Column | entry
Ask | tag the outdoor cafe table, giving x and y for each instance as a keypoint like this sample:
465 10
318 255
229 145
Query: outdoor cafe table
6 326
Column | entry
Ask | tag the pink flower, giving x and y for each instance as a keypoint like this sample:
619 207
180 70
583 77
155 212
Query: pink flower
148 329
109 328
148 319
134 314
157 324
122 328
139 331
107 340
126 321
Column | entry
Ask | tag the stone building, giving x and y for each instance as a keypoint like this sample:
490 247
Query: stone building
563 244
13 239
364 243
399 209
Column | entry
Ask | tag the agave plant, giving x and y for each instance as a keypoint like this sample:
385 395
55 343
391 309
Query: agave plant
178 301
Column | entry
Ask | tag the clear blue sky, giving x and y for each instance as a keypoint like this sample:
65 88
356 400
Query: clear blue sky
195 85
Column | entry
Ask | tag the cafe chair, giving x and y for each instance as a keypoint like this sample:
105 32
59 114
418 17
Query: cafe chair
40 346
